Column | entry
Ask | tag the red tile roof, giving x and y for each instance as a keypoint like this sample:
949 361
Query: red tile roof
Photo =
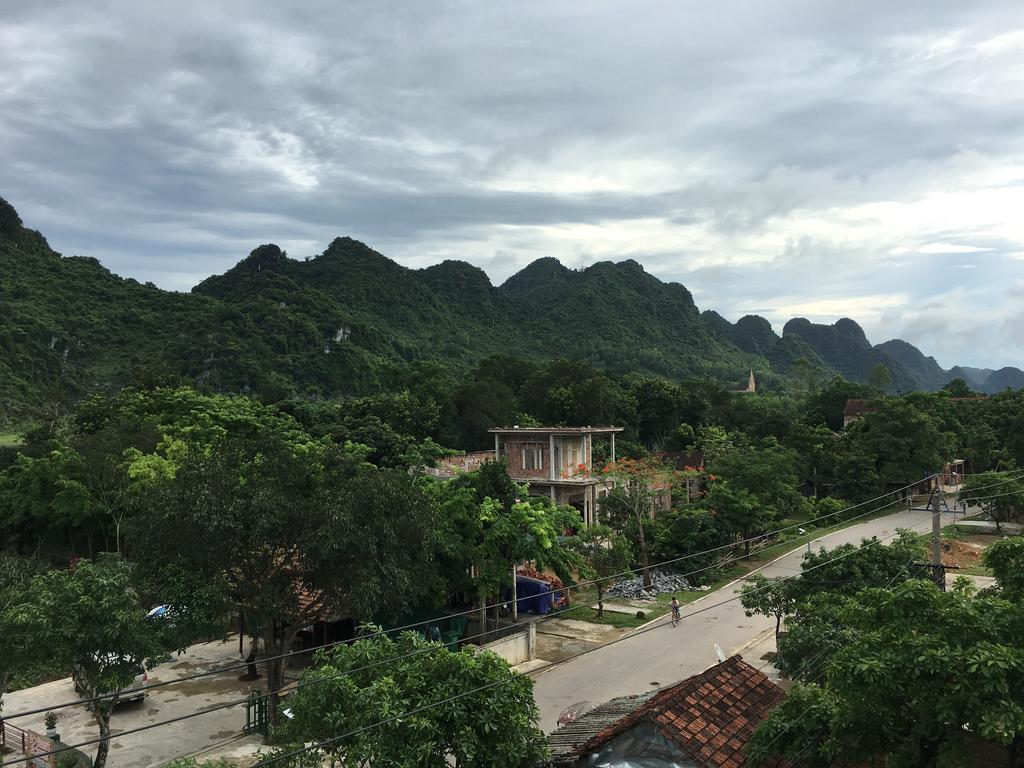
855 408
710 716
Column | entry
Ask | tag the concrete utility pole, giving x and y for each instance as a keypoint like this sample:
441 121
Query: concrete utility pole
936 530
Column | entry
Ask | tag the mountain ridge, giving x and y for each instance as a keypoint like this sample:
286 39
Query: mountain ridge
330 325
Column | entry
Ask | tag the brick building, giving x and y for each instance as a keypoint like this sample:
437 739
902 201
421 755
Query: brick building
556 462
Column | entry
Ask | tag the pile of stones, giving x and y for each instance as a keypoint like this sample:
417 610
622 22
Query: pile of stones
662 583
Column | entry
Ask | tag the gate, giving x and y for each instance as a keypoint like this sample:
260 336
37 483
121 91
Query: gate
256 713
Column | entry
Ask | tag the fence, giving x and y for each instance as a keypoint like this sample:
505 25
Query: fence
29 744
517 643
13 738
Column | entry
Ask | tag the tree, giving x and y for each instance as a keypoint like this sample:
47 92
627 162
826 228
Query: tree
635 486
738 511
93 622
491 524
1006 560
999 494
293 538
905 439
768 597
916 671
18 620
880 378
958 388
849 568
409 702
607 554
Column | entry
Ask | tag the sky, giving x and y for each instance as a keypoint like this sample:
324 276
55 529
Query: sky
778 158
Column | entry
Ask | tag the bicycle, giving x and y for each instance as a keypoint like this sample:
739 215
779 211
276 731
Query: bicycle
676 618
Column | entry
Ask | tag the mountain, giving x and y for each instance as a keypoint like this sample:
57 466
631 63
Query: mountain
975 377
1004 378
844 347
334 325
928 372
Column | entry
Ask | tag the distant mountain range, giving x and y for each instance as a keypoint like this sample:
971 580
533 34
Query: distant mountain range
337 323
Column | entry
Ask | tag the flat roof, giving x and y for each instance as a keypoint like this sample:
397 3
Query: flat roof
555 430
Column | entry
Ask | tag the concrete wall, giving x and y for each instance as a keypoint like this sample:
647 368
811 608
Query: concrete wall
517 648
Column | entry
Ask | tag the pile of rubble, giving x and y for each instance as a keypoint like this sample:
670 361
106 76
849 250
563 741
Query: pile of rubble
662 583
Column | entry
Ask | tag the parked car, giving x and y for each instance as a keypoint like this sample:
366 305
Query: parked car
130 692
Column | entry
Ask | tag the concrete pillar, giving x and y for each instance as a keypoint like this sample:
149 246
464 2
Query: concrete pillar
551 459
497 455
531 641
613 447
553 494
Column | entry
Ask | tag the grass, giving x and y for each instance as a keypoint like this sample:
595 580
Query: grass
584 612
586 597
11 439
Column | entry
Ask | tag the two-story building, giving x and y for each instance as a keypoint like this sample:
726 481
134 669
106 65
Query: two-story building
556 462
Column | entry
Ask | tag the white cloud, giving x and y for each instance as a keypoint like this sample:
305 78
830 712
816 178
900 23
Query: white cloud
799 159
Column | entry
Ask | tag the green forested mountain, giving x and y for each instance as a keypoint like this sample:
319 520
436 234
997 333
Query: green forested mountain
925 369
338 324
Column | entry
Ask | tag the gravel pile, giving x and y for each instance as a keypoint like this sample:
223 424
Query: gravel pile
662 583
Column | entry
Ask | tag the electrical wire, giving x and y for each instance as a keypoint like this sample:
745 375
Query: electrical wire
357 731
394 630
515 675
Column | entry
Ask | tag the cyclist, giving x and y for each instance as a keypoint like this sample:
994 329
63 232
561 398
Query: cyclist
675 610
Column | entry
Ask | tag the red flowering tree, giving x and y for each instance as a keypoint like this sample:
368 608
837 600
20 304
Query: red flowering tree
635 486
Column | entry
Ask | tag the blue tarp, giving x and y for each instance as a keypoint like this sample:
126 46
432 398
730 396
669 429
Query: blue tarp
534 596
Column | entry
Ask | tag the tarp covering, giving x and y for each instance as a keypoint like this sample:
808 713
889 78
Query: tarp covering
533 595
639 747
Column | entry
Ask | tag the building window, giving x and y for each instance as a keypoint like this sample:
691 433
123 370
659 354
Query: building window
533 458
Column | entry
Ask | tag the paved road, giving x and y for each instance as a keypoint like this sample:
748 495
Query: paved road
666 654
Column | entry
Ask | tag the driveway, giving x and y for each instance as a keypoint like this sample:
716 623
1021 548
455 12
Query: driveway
218 732
666 654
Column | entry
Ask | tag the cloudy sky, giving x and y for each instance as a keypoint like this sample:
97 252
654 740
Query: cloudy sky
781 158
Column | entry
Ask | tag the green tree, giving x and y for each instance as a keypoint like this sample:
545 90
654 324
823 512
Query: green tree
293 538
409 702
768 597
999 494
738 511
958 388
606 553
905 439
93 622
880 378
629 503
18 621
1006 560
918 670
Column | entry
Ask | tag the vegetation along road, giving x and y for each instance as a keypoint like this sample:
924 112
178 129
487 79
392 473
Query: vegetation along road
666 654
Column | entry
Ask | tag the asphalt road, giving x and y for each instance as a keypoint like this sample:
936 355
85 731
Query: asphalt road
667 654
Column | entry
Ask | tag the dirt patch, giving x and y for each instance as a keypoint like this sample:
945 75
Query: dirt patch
965 553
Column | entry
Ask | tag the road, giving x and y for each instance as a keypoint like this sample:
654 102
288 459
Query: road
668 654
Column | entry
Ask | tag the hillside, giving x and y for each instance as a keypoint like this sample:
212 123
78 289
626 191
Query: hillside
331 325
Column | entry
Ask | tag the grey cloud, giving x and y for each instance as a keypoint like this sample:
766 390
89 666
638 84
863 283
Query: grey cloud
170 140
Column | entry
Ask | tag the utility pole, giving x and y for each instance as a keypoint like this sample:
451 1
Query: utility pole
938 570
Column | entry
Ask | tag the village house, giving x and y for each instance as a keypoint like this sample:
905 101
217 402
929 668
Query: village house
704 721
556 462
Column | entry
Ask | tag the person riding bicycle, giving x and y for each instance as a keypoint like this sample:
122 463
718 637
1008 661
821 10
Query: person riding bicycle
675 609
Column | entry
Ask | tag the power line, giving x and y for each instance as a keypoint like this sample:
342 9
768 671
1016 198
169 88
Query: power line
513 676
393 630
354 732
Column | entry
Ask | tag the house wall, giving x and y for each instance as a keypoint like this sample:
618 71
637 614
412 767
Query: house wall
512 452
